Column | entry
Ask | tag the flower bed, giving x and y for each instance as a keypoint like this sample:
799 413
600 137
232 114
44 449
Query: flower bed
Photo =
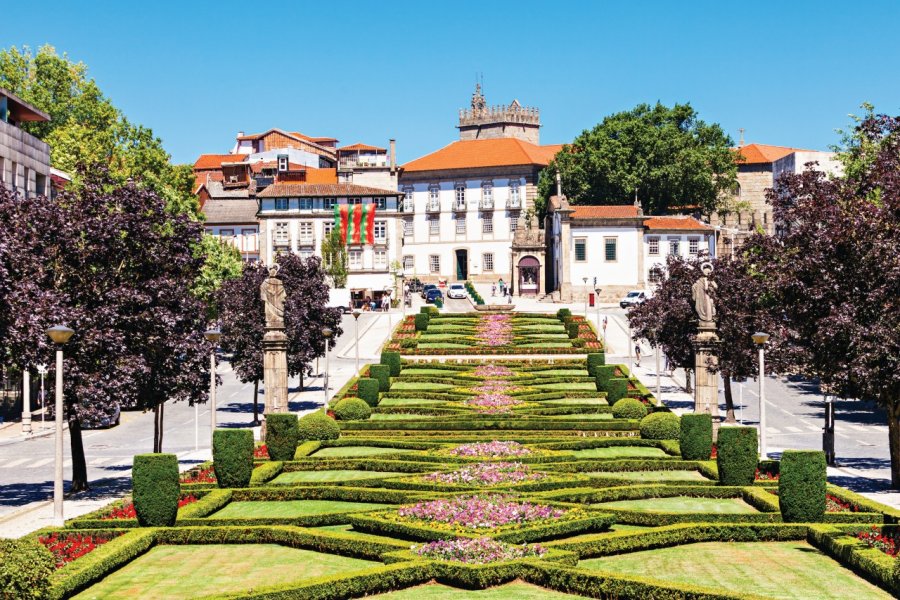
833 504
479 512
491 473
494 330
492 398
261 452
126 510
477 551
204 475
874 537
67 547
493 449
493 371
765 476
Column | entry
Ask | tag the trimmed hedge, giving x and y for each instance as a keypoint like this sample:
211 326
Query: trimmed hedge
616 389
421 320
233 457
603 374
317 426
629 408
155 489
281 435
696 436
25 569
661 425
383 374
392 360
563 312
801 486
737 455
572 330
367 389
352 409
594 360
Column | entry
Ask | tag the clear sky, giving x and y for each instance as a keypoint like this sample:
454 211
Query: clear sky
789 72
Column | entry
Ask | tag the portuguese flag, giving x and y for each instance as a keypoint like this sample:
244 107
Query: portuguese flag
356 222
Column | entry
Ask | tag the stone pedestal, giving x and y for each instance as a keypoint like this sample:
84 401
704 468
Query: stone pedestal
275 377
706 381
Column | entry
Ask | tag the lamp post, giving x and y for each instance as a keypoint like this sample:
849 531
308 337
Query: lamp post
356 314
584 279
402 275
326 333
658 386
760 339
42 370
212 336
597 304
60 335
26 401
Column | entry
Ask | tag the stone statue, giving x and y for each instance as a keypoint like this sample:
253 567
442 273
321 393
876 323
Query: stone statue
703 302
272 293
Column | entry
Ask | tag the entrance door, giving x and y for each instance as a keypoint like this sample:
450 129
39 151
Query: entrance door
529 276
462 265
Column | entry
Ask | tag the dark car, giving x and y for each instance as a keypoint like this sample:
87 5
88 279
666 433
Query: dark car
426 288
433 294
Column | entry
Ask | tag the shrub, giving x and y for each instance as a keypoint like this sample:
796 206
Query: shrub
233 457
572 330
801 486
318 426
629 408
603 374
25 569
392 359
421 322
383 374
367 389
281 436
563 312
594 360
352 409
578 342
423 310
438 303
696 437
616 389
663 425
737 455
155 488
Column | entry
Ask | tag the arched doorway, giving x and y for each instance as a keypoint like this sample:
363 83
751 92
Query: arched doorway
529 276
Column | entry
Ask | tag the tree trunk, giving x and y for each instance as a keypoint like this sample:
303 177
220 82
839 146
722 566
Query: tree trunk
79 465
687 382
729 399
155 427
893 415
301 380
256 403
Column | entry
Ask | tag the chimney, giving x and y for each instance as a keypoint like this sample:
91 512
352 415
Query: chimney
240 134
393 145
558 184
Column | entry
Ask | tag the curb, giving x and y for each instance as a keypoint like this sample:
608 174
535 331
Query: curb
32 436
24 511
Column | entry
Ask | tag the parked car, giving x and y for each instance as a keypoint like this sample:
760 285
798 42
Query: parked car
633 298
457 290
433 294
426 287
339 298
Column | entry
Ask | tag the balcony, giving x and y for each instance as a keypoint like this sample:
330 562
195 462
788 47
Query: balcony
486 204
281 243
459 206
513 203
434 206
307 241
408 206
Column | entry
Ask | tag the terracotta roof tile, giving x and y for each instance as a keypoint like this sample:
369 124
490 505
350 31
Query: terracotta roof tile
676 222
470 154
755 154
214 161
361 146
230 211
604 212
281 190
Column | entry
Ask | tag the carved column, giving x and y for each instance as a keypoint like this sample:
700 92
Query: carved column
706 385
275 371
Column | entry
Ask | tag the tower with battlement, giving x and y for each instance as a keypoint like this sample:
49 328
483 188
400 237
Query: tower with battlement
482 122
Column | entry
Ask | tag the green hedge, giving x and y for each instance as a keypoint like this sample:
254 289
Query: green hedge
367 389
594 360
696 436
281 435
155 489
616 389
25 569
737 455
383 374
233 457
266 472
352 409
318 426
392 360
629 408
421 320
562 313
661 426
801 486
572 330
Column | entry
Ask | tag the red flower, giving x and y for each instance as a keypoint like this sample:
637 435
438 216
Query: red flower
73 545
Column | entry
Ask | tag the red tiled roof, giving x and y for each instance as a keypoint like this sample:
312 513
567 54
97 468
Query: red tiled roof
683 223
214 161
294 190
259 165
604 212
469 154
361 146
755 154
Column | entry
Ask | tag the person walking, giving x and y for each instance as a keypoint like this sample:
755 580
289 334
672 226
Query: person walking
637 355
493 289
502 287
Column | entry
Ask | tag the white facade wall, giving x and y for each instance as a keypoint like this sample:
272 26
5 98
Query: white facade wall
243 236
624 270
677 243
796 163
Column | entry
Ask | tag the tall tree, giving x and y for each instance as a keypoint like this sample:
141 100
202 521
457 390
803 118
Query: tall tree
334 257
221 262
663 156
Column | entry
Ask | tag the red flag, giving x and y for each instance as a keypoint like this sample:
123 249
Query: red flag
357 223
370 224
344 222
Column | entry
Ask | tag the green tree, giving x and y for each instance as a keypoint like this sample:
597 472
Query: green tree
663 156
222 261
334 257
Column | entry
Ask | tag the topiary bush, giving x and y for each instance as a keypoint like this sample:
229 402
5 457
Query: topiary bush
663 425
233 457
421 322
801 486
572 330
367 389
616 389
737 455
629 408
281 435
563 312
352 409
383 374
594 360
25 569
155 489
696 437
317 426
603 374
392 359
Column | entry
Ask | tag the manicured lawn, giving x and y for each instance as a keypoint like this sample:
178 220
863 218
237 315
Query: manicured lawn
347 529
406 401
617 528
398 417
357 451
442 345
518 590
337 475
559 344
652 475
418 371
287 509
620 452
684 504
399 386
784 570
587 386
601 401
561 373
583 416
191 571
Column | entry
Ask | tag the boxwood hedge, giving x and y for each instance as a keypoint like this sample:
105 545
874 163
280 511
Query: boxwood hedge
233 457
696 437
737 455
281 435
155 489
367 388
801 486
392 360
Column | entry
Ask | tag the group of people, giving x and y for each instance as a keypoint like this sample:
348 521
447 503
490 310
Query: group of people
503 288
373 305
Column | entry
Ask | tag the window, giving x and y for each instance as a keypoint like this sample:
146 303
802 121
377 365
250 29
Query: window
488 260
408 205
655 276
226 233
487 195
304 254
674 249
460 195
381 259
380 203
409 264
434 226
694 246
306 232
580 249
281 203
356 259
407 227
514 194
306 203
487 224
282 163
249 236
434 194
434 263
460 225
329 203
610 249
354 200
326 228
380 231
654 246
513 222
282 235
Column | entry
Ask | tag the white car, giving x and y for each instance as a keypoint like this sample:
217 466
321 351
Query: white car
634 297
457 290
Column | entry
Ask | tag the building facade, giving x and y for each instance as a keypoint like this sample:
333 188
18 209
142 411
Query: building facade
24 159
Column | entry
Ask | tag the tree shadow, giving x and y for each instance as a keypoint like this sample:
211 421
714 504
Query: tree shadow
304 405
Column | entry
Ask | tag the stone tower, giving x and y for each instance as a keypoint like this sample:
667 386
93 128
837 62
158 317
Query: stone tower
483 122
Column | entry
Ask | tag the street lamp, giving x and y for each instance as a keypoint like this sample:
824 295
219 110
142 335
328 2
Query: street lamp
42 370
402 275
584 279
760 339
212 336
356 314
658 387
597 304
26 401
327 332
60 335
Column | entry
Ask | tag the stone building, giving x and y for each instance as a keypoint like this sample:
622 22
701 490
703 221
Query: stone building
24 159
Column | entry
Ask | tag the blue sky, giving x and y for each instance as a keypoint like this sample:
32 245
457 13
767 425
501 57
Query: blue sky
198 72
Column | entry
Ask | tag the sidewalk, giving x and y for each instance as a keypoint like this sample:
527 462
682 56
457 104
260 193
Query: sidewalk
11 431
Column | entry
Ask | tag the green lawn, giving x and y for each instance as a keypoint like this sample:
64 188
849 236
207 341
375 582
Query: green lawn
559 344
601 401
442 345
336 475
347 529
397 416
516 590
407 401
583 416
684 504
620 452
784 570
288 509
587 386
357 451
650 476
170 572
399 386
425 371
561 373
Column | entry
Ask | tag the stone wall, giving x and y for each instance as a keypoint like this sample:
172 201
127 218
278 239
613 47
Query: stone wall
25 159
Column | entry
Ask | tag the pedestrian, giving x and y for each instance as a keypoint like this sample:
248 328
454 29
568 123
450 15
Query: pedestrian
502 287
637 355
493 289
509 297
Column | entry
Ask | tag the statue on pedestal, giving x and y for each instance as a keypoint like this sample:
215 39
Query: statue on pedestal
706 347
272 293
275 343
703 302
